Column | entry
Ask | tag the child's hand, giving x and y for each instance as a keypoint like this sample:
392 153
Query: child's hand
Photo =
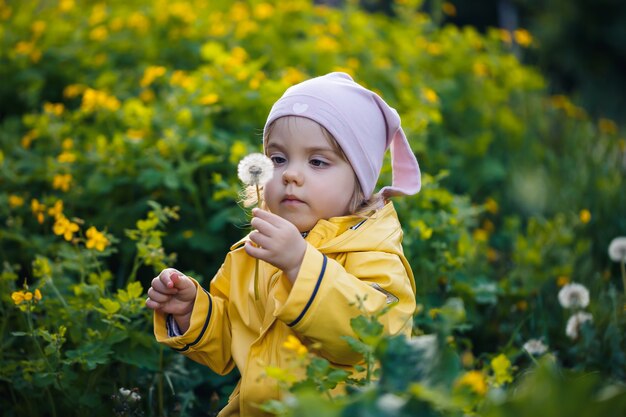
279 242
173 293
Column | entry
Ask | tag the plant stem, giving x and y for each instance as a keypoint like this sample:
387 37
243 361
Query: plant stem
622 266
256 261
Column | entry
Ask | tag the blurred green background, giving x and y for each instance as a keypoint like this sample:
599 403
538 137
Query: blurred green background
121 125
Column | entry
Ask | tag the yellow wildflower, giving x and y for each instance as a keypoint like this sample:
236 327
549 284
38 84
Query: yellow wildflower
15 201
448 8
66 157
433 49
66 5
480 69
505 36
38 210
96 239
607 126
56 211
585 216
54 108
209 99
326 44
491 205
293 343
492 255
62 182
138 22
523 37
263 11
64 227
293 76
67 144
475 380
480 235
181 79
73 90
501 366
434 312
99 33
150 74
28 296
28 138
18 297
430 95
38 295
562 281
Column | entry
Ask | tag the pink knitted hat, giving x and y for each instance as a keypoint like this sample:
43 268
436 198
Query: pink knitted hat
363 125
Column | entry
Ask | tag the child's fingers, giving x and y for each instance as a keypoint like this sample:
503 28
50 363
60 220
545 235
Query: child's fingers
260 239
160 286
150 303
266 216
157 296
170 278
254 251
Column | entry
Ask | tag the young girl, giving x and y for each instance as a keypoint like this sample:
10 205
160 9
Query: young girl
324 237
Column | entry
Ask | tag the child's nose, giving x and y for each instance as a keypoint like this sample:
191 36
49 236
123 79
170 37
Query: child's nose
292 175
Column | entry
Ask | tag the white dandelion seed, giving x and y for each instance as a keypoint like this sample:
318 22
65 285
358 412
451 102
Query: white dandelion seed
390 403
574 296
575 322
255 169
617 249
135 397
535 347
125 392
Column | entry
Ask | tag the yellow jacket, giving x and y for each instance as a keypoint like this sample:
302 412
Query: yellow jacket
346 258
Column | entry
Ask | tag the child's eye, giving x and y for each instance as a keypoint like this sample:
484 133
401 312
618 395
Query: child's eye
318 163
277 160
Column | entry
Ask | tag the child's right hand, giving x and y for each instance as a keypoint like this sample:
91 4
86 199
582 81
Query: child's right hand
173 293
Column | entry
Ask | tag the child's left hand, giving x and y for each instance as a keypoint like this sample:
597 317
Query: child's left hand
279 242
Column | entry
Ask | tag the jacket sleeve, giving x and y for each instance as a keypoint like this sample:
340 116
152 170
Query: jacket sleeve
208 339
322 301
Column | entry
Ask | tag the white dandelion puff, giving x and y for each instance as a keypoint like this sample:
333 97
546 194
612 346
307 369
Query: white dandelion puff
390 403
575 322
535 347
255 169
574 296
617 249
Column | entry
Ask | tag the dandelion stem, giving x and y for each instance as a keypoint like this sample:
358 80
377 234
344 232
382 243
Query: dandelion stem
256 261
622 266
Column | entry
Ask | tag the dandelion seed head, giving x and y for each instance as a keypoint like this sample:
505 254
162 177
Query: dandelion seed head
255 169
575 322
390 403
574 296
535 347
617 249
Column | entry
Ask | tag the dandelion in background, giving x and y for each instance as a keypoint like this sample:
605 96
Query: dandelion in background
535 347
574 296
617 253
390 403
255 170
575 322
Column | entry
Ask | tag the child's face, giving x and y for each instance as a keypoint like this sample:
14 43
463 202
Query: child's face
311 180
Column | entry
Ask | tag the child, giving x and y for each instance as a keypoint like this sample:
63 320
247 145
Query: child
324 238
